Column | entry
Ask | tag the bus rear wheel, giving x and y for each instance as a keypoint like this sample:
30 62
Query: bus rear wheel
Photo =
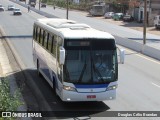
38 69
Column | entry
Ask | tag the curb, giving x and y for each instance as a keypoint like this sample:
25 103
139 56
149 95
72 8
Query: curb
139 47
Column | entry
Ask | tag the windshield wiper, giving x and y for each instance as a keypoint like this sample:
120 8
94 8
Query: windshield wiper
82 73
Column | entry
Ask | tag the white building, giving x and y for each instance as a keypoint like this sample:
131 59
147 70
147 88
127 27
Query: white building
153 9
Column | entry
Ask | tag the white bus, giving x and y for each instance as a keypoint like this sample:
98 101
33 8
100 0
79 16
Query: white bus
79 62
98 10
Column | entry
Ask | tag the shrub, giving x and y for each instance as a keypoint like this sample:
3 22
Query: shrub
8 102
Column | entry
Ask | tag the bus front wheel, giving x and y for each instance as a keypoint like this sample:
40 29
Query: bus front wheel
54 86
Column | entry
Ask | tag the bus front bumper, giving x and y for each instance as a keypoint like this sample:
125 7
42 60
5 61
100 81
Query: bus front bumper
71 96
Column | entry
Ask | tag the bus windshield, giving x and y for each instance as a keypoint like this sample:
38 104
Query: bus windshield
91 61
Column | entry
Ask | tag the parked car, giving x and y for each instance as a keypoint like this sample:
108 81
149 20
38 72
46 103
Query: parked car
17 11
128 18
11 7
118 16
43 5
1 8
157 21
109 14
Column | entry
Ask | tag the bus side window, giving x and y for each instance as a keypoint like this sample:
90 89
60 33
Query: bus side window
34 33
38 32
36 29
46 40
44 34
50 43
41 37
54 45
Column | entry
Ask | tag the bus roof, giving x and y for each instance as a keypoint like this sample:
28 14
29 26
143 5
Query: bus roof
71 29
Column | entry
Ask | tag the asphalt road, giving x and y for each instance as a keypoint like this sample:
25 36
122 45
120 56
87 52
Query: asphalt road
139 78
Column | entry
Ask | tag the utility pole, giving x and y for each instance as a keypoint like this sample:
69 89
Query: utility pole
67 11
39 4
53 3
145 22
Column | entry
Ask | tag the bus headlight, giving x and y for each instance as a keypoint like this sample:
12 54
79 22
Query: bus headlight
68 88
112 87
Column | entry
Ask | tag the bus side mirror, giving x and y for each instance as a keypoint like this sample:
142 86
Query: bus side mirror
62 56
121 55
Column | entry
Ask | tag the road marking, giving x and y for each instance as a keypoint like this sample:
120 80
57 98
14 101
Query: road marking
150 59
155 84
142 55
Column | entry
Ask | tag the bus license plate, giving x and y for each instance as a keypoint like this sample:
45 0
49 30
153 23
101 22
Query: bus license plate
91 96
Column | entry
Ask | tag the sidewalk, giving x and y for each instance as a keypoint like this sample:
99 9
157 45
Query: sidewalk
5 69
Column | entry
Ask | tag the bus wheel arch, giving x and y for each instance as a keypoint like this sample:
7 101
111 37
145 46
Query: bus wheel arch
38 71
54 85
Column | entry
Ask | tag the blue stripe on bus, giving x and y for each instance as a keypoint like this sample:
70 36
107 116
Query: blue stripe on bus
92 86
46 72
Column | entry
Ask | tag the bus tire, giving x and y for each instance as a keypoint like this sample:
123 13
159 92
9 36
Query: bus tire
54 86
38 71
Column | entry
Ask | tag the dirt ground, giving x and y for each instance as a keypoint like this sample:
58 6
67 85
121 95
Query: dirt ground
134 25
131 25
